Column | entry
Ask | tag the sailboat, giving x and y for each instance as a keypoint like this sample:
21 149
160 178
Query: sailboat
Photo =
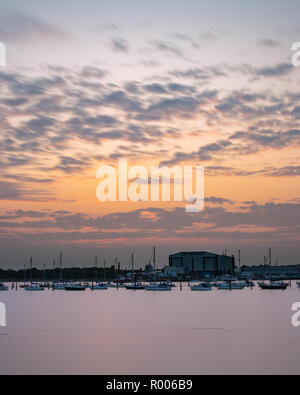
116 283
59 285
134 286
33 286
273 285
99 286
75 287
162 287
201 287
231 286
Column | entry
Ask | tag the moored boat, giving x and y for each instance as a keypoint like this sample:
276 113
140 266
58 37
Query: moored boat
33 287
273 285
100 287
158 287
248 284
59 286
135 286
3 287
75 287
115 285
201 287
231 286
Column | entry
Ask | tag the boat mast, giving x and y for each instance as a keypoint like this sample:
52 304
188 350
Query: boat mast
54 267
239 258
270 256
154 258
96 265
31 269
132 265
116 268
61 266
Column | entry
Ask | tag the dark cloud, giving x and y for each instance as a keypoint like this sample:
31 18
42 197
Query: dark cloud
102 121
71 165
205 153
14 191
122 101
181 107
268 42
279 70
119 44
279 220
201 74
155 88
92 72
270 138
181 88
167 48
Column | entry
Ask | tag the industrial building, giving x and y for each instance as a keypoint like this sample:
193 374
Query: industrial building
202 262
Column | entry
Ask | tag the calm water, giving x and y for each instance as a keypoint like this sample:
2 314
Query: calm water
127 332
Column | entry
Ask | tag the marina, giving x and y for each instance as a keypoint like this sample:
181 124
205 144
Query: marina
151 287
202 271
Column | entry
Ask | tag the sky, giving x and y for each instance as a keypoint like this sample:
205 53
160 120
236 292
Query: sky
207 83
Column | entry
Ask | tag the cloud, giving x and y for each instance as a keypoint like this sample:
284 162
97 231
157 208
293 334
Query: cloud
205 153
92 72
16 26
70 165
13 191
122 101
270 138
279 70
119 44
167 48
182 107
200 73
248 220
268 43
155 88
